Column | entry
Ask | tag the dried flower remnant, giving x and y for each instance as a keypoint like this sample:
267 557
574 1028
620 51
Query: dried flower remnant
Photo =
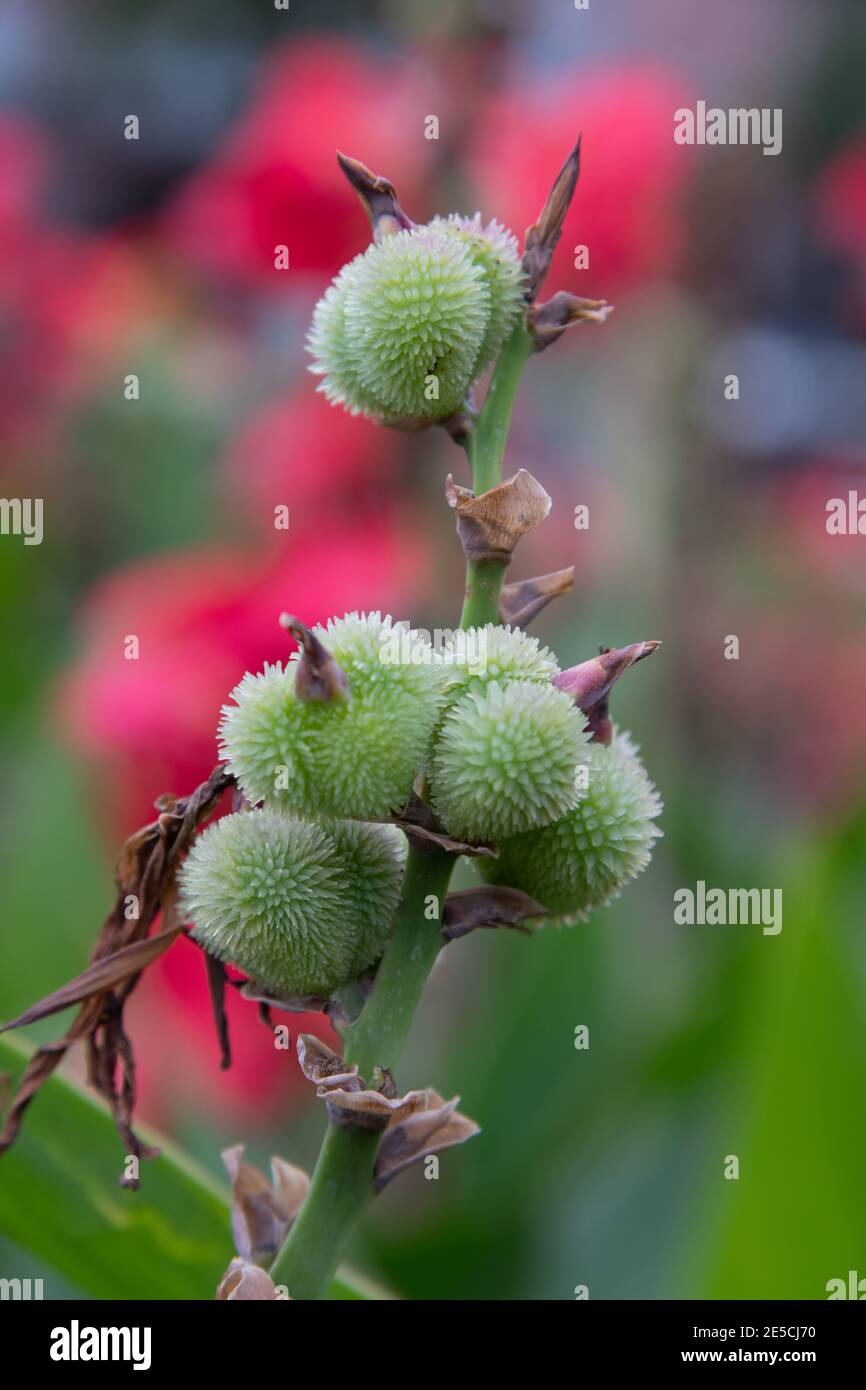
262 1211
547 322
245 1283
351 1102
419 824
490 526
377 196
413 1126
523 600
543 236
490 907
145 875
317 675
434 1127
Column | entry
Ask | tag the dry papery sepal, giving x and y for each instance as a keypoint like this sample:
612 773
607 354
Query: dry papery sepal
357 782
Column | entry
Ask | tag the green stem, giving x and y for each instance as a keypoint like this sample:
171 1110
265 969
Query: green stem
486 448
343 1180
483 589
487 441
341 1188
378 1036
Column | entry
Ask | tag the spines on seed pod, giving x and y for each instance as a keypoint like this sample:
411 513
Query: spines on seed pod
408 326
585 858
355 755
302 908
505 760
480 655
373 857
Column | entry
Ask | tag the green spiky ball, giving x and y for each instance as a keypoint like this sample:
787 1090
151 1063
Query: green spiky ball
300 908
584 859
373 858
406 327
480 655
351 758
504 760
495 250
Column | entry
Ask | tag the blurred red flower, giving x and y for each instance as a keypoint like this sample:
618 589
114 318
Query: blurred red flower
841 199
178 1058
800 542
840 214
200 620
790 713
626 210
67 300
301 452
275 180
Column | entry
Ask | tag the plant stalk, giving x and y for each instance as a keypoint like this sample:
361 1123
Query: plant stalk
341 1188
378 1036
486 444
342 1183
483 589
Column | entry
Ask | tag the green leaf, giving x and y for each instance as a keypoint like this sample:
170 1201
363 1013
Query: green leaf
60 1200
795 1218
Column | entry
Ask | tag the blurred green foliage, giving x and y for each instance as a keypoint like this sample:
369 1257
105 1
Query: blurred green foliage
60 1202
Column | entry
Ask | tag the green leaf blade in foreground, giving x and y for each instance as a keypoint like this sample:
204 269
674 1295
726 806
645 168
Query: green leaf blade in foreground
60 1201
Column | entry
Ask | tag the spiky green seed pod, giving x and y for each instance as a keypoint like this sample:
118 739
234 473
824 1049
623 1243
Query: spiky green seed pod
373 858
407 326
355 756
505 759
398 334
332 345
495 250
583 860
498 653
300 908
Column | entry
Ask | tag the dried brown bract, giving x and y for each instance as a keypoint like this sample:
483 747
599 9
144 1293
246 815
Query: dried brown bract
543 236
317 675
421 828
547 322
263 1212
145 878
435 1126
378 198
490 526
522 601
352 1104
471 908
590 682
244 1282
